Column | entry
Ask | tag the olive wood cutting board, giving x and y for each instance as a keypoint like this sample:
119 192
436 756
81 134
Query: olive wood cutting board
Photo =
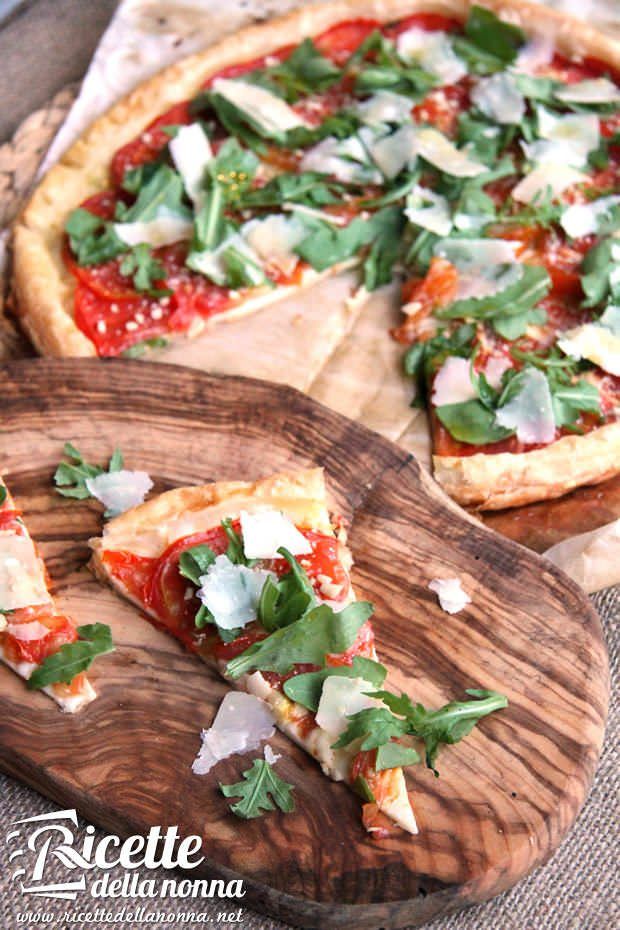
506 795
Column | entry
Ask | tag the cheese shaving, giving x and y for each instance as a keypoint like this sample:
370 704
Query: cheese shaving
242 722
450 594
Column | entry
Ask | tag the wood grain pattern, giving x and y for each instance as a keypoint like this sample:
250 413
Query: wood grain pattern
507 794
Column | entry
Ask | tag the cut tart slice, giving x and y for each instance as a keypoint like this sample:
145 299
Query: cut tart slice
32 629
254 578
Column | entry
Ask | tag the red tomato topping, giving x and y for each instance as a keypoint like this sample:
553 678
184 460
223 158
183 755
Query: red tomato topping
61 631
9 521
133 571
363 646
147 146
424 295
431 22
443 106
341 40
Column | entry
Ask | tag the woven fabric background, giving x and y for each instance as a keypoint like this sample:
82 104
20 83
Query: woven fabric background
576 890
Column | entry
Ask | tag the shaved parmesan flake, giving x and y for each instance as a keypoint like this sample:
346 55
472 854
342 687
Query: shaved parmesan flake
345 159
597 90
429 210
582 219
242 722
165 229
453 382
212 263
487 281
266 531
440 152
611 319
341 698
191 153
22 583
530 412
550 152
466 254
391 153
433 51
547 180
271 113
231 592
301 208
274 239
28 632
535 54
120 490
384 107
450 594
578 132
271 757
499 98
595 342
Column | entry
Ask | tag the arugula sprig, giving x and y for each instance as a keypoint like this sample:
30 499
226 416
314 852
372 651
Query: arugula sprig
70 477
95 639
305 71
92 239
287 599
261 790
145 270
305 689
377 727
317 633
489 44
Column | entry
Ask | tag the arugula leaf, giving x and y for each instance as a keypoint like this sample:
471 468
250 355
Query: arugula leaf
92 240
164 188
235 545
492 35
242 271
541 89
375 726
472 422
287 599
140 348
144 270
448 725
309 639
341 125
135 178
209 224
306 689
3 494
326 245
73 658
388 225
70 477
596 268
308 188
569 400
194 562
395 755
260 788
514 301
305 71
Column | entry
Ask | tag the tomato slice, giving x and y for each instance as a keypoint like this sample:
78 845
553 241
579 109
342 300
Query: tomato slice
244 67
133 571
341 40
431 22
166 592
61 631
147 146
9 521
363 646
443 106
424 295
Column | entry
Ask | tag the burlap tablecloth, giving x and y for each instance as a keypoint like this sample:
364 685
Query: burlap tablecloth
576 890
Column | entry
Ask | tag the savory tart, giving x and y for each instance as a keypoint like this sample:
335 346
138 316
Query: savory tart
254 579
36 639
475 149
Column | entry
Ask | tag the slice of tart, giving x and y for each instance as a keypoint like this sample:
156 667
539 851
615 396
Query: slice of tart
254 578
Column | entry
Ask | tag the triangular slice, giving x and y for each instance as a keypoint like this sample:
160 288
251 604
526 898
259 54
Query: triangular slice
139 555
31 627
